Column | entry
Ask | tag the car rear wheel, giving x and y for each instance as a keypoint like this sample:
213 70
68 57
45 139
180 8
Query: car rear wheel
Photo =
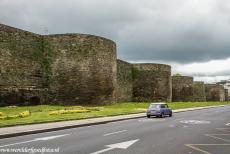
148 116
170 114
162 115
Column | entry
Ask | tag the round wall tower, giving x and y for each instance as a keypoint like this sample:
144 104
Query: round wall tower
80 68
182 88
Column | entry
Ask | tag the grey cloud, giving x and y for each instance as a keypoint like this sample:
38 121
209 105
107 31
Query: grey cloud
171 31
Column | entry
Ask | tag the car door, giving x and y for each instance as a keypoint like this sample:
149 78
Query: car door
163 109
167 109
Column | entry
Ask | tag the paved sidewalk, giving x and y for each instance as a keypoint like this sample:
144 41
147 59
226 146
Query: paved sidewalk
6 132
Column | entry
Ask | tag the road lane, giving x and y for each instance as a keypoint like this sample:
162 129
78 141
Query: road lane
156 135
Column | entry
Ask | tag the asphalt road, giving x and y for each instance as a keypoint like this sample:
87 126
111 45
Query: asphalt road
193 132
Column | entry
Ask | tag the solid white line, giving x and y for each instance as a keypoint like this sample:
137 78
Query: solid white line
115 132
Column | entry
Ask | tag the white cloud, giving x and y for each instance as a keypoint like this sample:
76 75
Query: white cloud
211 71
210 68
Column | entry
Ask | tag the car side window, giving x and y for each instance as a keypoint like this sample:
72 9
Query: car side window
162 106
166 106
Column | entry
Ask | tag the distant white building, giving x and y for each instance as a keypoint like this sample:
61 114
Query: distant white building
226 84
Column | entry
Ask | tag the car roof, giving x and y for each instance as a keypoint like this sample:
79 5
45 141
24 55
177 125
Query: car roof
160 103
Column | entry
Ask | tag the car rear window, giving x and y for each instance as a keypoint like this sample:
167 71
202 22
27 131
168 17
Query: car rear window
154 106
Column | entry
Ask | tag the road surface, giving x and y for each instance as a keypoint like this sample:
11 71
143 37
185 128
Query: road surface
193 132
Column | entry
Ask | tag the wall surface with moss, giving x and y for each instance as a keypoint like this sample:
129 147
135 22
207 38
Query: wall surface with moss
151 82
124 81
199 91
214 92
80 68
83 69
68 68
20 66
182 89
226 94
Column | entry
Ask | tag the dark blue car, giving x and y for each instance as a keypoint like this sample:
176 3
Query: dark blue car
158 110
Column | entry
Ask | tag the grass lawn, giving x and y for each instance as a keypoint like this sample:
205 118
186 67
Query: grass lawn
40 114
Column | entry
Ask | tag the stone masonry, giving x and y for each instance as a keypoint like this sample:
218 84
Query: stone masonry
199 91
81 68
151 82
124 81
71 69
182 89
214 92
68 68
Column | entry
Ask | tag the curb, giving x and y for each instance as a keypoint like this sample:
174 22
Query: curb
95 123
61 128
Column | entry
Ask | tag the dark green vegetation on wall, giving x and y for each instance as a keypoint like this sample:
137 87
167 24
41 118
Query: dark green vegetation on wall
71 69
214 92
199 91
182 89
21 59
124 81
83 68
151 82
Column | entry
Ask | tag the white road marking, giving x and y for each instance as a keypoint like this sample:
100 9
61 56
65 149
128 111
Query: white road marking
192 146
224 129
36 139
179 119
185 126
219 138
122 145
227 124
195 122
115 132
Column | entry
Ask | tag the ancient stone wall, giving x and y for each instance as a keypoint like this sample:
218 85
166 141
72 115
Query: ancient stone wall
199 91
70 68
226 94
81 68
21 58
182 89
124 81
151 82
214 92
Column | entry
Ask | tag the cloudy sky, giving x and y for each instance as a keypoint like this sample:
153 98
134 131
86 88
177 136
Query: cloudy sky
191 35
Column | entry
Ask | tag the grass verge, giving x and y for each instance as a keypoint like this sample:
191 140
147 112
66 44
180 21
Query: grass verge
40 114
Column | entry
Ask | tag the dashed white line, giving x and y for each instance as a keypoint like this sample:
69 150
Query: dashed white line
115 132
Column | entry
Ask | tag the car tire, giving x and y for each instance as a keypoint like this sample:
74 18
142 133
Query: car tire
170 114
148 116
162 115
